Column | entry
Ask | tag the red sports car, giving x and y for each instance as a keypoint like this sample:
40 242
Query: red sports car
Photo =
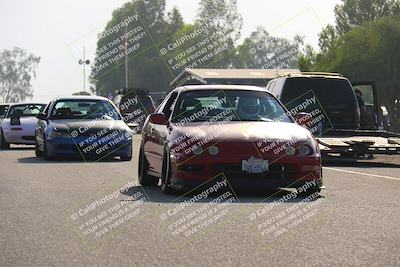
241 132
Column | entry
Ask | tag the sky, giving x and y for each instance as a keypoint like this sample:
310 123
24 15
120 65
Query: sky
57 31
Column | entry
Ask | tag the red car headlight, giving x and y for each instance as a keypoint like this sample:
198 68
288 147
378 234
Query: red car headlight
197 150
304 150
290 151
213 150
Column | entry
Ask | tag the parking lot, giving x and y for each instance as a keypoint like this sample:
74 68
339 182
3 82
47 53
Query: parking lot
47 211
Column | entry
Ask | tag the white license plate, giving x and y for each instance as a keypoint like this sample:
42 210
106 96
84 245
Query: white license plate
254 165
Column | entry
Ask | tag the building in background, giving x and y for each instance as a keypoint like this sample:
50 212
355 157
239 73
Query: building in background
259 77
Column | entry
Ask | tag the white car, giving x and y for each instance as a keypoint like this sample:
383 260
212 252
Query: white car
18 125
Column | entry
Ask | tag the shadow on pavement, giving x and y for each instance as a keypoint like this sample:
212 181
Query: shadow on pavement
19 148
154 194
68 160
361 163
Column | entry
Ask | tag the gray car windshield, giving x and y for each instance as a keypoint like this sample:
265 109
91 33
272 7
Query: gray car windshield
84 109
233 105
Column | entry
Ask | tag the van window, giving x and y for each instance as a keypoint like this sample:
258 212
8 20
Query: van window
270 86
326 90
278 86
367 93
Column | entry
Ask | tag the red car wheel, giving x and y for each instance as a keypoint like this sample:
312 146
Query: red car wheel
144 178
166 173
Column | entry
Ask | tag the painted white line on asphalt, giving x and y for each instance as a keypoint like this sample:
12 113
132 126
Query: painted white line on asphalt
362 173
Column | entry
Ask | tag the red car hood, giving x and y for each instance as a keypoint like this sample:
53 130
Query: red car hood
240 132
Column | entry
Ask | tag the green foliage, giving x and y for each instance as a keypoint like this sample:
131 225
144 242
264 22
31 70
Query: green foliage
348 14
327 37
369 52
353 13
307 60
17 68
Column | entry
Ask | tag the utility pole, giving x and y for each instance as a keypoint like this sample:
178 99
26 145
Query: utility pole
84 62
126 56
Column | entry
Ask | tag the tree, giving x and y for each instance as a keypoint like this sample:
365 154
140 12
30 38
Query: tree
307 59
221 15
261 50
175 21
17 68
222 19
146 67
349 14
327 37
352 13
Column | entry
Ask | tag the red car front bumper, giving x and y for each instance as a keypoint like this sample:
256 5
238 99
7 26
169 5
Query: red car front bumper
286 171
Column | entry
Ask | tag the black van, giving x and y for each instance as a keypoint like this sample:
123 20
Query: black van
329 96
135 104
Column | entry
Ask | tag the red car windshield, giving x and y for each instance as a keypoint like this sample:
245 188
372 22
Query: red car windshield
238 105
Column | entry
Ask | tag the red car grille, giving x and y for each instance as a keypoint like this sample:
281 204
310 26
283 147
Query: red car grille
233 148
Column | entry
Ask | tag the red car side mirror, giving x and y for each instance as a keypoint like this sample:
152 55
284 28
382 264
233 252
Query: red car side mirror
303 118
158 118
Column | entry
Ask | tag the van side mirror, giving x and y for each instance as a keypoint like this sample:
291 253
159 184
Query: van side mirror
41 116
303 118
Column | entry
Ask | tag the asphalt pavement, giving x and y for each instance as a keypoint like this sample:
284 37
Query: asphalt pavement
76 213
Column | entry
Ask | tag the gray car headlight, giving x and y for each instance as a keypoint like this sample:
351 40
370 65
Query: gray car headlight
128 134
57 134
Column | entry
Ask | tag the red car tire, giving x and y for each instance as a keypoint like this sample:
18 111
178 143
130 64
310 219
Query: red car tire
144 178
